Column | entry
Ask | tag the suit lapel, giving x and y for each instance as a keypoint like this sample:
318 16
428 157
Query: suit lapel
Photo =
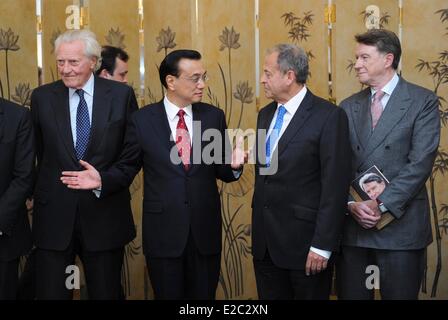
265 122
197 143
161 126
297 122
61 107
101 109
362 118
2 120
396 108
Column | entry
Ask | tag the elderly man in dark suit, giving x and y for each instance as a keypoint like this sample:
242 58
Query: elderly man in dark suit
181 208
16 165
79 118
301 182
394 125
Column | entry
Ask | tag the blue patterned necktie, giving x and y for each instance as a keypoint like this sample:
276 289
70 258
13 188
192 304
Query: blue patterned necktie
82 126
275 133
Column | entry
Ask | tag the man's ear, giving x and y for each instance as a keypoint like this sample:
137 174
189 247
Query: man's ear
291 76
170 80
105 74
389 58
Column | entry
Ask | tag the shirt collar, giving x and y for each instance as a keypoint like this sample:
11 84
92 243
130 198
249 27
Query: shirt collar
88 87
293 104
172 109
389 87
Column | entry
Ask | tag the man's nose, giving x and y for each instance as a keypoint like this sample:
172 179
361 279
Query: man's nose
65 68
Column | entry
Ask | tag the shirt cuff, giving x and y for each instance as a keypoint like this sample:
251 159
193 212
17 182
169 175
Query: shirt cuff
237 173
97 192
324 253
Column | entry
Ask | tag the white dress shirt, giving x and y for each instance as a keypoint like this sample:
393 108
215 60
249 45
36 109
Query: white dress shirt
291 108
171 112
387 89
173 118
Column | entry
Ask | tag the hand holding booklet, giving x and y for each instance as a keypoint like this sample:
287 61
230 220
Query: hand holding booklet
368 186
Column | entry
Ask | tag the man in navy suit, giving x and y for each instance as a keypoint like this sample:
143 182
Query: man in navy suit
16 165
79 118
181 206
301 184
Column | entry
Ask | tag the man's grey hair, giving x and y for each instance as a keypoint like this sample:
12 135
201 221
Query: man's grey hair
92 48
294 58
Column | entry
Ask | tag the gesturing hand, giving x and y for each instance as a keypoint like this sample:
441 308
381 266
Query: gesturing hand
239 156
87 179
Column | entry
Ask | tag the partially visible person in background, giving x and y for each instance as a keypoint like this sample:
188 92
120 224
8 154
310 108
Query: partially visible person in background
114 64
16 167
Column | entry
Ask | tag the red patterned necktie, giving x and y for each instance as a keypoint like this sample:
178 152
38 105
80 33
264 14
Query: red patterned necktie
183 141
377 107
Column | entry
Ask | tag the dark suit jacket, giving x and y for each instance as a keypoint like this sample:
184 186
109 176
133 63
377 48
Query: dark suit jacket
16 165
303 203
175 202
403 146
106 223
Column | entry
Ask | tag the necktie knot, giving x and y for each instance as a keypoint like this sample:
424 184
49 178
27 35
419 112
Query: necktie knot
80 93
181 114
378 95
281 111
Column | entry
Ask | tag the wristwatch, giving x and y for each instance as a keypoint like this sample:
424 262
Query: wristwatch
382 207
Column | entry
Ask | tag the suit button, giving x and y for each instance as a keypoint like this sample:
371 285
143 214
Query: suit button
266 181
357 148
387 147
266 206
358 171
186 202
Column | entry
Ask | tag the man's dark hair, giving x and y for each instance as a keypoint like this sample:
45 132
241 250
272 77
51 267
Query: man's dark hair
374 178
108 58
170 65
384 40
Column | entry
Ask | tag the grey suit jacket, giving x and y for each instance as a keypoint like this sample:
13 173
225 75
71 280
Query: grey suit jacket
403 146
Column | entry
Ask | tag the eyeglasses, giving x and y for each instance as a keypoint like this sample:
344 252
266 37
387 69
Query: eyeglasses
196 79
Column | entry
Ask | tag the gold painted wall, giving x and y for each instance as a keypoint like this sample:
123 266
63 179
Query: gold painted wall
164 32
300 22
18 58
425 49
350 21
53 24
224 32
228 50
118 28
